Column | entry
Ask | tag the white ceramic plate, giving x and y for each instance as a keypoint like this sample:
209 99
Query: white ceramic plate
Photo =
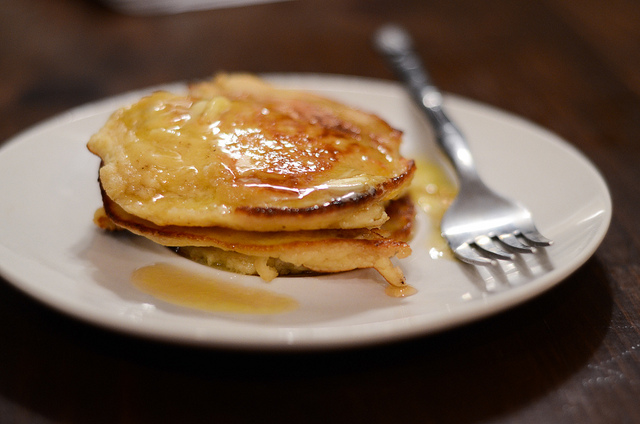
50 249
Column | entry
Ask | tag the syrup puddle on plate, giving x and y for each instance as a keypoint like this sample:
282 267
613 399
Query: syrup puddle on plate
400 291
175 285
433 192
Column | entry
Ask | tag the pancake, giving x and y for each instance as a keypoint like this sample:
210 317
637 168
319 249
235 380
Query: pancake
257 179
239 153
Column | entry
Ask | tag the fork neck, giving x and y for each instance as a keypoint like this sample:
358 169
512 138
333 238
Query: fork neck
449 137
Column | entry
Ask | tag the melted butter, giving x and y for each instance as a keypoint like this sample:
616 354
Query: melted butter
192 290
433 191
400 291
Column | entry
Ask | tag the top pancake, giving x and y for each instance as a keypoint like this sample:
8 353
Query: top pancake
239 153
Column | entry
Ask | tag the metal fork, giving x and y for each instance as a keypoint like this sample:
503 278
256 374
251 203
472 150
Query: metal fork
480 226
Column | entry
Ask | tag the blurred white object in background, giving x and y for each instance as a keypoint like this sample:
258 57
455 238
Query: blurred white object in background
159 7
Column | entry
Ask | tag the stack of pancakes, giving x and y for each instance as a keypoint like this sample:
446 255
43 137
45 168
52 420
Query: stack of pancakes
257 179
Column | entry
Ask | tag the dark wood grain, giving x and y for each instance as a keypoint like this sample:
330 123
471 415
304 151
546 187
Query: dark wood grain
570 356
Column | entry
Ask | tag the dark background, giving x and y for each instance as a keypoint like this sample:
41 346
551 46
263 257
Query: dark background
570 356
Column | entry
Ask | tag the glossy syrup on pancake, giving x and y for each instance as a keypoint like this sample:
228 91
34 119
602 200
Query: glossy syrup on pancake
256 157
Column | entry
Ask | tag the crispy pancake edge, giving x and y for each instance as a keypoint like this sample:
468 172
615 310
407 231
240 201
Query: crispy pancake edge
387 190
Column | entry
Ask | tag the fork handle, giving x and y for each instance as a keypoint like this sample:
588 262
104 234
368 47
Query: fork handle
396 45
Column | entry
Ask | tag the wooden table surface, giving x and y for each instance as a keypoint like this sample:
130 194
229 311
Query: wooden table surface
572 355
